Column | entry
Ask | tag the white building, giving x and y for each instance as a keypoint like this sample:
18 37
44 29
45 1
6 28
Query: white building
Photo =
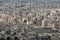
52 13
45 23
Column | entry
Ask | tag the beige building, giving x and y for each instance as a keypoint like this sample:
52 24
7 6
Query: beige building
45 23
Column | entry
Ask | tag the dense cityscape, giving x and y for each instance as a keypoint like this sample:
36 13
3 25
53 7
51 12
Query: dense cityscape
29 19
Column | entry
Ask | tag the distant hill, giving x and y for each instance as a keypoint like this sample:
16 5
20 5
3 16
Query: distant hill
49 3
33 0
